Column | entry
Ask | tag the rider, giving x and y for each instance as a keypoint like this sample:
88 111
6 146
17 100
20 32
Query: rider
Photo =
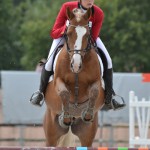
57 34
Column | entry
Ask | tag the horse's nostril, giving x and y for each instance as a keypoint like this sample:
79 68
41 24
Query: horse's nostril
71 65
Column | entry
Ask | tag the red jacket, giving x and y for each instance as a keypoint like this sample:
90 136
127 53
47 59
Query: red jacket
60 23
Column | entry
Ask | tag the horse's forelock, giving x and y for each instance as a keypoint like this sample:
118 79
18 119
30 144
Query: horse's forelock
78 14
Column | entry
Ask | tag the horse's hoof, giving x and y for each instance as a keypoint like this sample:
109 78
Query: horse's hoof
87 116
64 122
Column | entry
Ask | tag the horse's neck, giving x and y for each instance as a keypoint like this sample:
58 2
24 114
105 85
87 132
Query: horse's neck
65 55
91 57
63 61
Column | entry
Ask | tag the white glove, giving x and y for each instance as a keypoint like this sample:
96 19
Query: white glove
90 24
67 23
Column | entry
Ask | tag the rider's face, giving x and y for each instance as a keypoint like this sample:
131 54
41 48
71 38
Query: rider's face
87 3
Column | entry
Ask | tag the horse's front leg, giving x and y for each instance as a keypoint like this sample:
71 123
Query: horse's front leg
88 113
65 118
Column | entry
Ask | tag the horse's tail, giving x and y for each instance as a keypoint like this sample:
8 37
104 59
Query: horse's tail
67 140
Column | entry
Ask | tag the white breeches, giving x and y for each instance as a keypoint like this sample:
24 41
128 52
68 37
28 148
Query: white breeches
57 42
103 48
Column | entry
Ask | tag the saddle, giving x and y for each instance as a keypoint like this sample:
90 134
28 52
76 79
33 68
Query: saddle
55 54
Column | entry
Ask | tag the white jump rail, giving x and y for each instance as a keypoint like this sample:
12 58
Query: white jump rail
139 114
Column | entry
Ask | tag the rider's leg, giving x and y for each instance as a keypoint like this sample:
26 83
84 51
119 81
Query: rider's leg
108 78
38 97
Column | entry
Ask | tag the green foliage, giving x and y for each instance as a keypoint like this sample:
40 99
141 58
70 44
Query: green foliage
25 27
10 53
126 33
38 19
35 33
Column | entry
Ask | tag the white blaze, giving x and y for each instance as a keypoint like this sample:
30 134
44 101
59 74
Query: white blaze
78 44
80 33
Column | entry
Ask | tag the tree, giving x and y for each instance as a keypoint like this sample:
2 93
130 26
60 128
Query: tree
25 26
38 19
126 33
10 53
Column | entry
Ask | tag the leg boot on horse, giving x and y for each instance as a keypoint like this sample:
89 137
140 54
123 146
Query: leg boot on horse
38 97
110 102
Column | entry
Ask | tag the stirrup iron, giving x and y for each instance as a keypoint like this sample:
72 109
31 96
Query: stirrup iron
37 102
113 99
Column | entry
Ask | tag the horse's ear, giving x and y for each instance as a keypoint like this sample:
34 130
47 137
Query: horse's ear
70 14
87 15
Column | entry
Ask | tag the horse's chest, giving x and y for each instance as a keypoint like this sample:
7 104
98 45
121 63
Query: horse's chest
72 83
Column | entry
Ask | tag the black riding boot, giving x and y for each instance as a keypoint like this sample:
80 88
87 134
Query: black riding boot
38 97
110 102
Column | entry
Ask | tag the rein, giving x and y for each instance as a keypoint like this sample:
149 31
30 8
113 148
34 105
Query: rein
76 90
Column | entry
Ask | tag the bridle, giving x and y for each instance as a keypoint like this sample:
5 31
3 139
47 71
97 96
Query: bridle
78 51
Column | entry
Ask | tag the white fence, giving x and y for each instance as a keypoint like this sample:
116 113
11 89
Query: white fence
139 115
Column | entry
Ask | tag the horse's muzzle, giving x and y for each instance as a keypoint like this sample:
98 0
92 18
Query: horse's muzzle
75 69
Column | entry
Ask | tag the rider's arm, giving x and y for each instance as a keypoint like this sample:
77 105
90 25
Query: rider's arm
59 26
97 20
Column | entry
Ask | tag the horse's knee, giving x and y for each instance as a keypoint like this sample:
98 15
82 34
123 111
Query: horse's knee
94 91
64 94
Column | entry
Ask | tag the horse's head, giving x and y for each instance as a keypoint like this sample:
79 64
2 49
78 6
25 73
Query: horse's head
77 37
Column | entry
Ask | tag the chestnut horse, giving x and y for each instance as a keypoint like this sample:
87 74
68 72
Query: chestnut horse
75 95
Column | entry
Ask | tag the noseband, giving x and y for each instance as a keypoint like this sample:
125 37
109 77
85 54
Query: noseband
78 51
